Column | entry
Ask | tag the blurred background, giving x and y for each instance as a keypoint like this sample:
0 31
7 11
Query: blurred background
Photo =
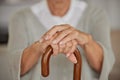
112 7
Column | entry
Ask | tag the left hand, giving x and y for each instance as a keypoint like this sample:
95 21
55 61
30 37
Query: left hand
67 33
68 48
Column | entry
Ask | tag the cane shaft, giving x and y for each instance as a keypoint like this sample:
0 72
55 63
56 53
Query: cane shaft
46 58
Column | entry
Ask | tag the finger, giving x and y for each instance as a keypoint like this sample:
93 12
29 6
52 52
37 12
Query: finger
53 37
68 48
72 58
54 46
81 37
69 37
55 49
62 35
73 48
69 44
62 48
54 30
42 38
46 43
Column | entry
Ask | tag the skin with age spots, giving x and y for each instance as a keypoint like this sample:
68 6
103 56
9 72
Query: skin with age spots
89 45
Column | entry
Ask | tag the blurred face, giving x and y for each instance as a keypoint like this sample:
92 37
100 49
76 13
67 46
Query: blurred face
60 3
58 7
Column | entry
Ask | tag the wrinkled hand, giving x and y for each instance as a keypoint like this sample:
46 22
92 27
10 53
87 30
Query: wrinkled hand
66 34
67 48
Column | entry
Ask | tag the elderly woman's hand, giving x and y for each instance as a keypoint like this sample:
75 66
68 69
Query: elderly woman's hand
68 48
65 40
67 33
92 49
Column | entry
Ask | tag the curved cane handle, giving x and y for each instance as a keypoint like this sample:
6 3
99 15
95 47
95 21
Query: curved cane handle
45 63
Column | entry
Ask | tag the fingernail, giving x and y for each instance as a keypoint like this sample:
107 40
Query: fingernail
54 42
61 43
75 61
68 54
47 37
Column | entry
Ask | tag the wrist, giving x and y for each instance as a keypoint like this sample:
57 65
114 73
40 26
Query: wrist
34 48
88 41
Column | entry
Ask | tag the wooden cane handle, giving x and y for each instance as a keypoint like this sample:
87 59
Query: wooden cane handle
46 58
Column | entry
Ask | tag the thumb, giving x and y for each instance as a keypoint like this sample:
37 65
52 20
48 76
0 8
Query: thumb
72 58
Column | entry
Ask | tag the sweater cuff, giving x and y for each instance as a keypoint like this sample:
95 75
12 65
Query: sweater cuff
14 65
107 63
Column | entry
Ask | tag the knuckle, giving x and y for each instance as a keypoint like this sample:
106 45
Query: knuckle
76 32
63 32
69 44
72 29
75 43
73 48
70 37
88 37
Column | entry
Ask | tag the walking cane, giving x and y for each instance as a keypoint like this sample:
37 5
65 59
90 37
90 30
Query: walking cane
45 63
